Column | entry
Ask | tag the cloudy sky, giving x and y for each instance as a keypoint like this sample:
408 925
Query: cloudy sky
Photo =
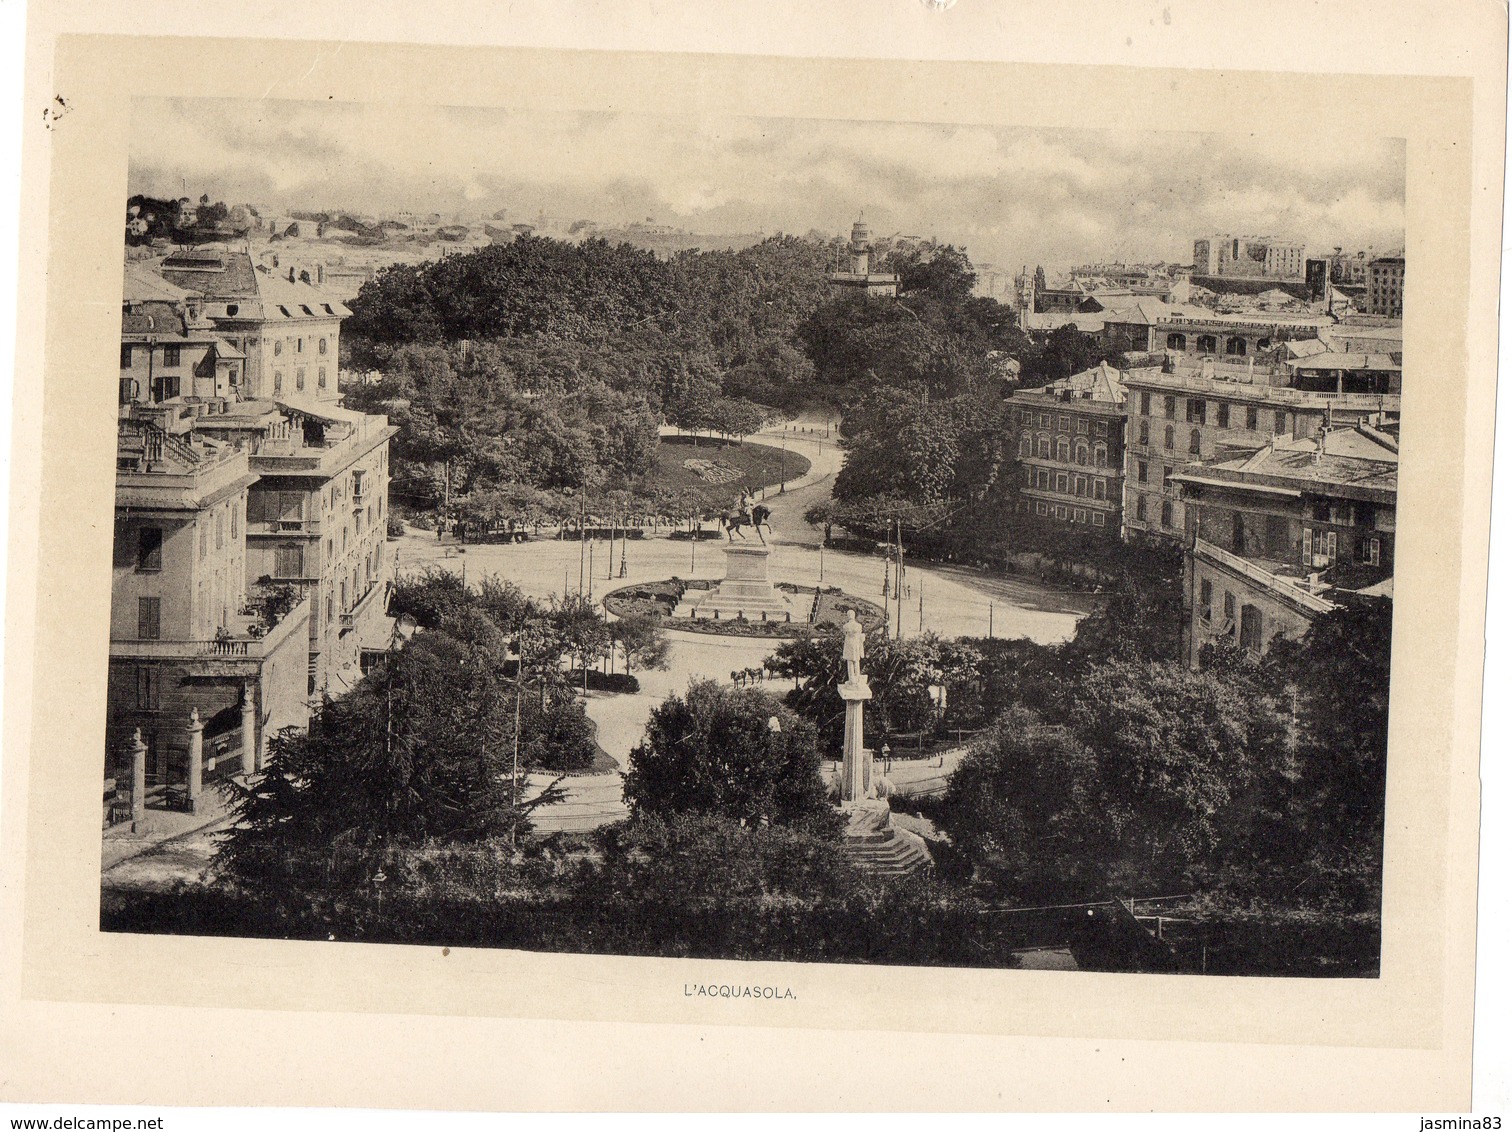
1009 195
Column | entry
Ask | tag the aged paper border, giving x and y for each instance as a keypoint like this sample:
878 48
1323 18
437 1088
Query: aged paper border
995 1039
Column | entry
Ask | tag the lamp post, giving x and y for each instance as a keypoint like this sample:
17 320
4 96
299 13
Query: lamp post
514 777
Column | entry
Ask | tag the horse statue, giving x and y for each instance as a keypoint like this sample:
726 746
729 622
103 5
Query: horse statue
755 517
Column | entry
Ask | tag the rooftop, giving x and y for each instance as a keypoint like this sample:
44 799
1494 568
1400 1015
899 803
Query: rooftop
159 471
1244 385
1101 383
141 284
237 288
1351 360
1359 457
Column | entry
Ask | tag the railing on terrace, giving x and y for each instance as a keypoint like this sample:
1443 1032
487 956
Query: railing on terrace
1278 585
1191 381
234 648
225 648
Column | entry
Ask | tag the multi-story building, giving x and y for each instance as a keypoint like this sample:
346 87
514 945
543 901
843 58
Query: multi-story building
1070 443
202 669
1348 267
168 347
1248 257
855 276
314 516
1280 535
1179 416
1384 286
288 329
317 518
1211 334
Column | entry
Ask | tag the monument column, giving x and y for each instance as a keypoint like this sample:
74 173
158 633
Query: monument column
855 767
249 759
196 759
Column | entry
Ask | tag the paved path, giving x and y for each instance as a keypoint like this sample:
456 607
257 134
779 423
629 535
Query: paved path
957 602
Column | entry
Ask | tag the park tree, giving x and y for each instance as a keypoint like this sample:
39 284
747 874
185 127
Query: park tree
1140 621
420 749
899 445
733 752
822 514
579 625
430 598
735 416
1025 810
1332 690
642 641
1066 351
944 273
1179 752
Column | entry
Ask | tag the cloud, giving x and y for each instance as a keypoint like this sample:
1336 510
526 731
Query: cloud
1009 195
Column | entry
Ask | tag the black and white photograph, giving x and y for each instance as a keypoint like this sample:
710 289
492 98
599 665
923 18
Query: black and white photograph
684 556
852 542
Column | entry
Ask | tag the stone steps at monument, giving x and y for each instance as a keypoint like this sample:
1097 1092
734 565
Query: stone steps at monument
890 853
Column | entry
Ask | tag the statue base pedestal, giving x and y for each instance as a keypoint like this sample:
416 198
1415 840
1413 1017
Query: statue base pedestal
877 845
745 592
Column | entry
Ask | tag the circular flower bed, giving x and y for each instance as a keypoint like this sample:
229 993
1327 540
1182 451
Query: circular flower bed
660 599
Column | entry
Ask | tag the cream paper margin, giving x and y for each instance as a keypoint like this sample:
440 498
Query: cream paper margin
1400 1041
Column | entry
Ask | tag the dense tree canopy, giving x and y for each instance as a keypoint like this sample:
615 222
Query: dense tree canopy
729 751
545 365
1258 783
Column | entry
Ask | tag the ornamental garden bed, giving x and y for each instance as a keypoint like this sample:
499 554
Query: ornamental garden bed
811 617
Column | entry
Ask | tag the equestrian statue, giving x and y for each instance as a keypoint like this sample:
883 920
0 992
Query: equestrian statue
747 514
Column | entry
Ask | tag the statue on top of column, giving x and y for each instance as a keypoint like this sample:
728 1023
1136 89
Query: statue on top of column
854 647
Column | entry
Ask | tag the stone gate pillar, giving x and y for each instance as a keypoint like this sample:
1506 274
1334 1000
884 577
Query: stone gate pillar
249 759
138 751
196 731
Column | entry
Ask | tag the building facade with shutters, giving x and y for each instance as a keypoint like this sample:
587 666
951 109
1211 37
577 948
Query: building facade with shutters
169 349
200 668
317 520
287 329
1183 416
1069 438
252 564
1279 536
1385 282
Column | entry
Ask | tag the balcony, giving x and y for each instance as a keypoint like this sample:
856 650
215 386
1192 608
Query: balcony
241 646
